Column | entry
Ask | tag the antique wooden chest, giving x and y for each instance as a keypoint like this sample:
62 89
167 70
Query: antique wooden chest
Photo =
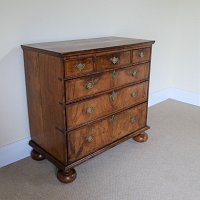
84 97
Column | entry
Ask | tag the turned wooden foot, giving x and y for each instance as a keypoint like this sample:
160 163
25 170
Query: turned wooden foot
142 137
66 176
36 156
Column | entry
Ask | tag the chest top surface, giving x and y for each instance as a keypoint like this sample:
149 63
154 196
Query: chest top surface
70 46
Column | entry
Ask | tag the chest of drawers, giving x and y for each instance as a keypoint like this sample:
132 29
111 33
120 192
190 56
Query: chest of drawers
84 97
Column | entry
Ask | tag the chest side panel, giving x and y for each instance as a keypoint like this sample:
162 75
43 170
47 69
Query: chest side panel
44 92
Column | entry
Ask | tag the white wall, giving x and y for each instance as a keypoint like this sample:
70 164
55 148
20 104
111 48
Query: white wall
25 21
186 52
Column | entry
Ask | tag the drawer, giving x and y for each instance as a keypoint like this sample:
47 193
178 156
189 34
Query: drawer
112 60
90 138
88 110
132 74
79 66
141 55
89 85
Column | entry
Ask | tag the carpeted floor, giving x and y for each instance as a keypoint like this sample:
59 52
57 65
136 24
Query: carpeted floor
167 167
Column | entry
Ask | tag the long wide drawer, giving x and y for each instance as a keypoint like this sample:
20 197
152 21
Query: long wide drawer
90 138
81 87
85 111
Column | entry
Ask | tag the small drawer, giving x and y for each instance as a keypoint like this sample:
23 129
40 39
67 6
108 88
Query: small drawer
89 85
112 60
91 138
79 66
141 55
88 110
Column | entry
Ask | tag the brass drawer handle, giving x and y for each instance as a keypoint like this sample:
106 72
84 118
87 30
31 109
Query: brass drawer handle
113 95
134 73
80 66
114 60
89 139
132 119
134 94
141 53
113 118
89 85
114 75
89 110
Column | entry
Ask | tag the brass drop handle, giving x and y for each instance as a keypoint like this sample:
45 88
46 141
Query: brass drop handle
89 85
134 73
141 53
114 60
134 94
89 110
132 119
113 95
80 66
114 75
89 139
113 118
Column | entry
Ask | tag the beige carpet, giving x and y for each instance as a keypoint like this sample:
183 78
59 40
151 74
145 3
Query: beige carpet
167 167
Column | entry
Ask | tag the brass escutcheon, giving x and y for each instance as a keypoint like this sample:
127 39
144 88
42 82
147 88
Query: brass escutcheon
89 110
113 118
132 119
134 94
141 53
114 75
80 66
114 60
89 139
113 95
89 85
134 73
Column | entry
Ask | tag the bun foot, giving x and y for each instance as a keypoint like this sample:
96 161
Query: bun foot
66 176
36 156
142 137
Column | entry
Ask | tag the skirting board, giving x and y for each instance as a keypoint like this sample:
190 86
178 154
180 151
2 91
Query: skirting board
13 152
176 94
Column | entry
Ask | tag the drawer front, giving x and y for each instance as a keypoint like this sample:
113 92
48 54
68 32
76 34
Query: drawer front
79 66
112 60
90 138
131 74
141 55
89 85
85 111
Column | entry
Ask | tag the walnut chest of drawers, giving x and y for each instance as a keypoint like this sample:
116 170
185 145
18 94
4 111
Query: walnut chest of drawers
84 97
